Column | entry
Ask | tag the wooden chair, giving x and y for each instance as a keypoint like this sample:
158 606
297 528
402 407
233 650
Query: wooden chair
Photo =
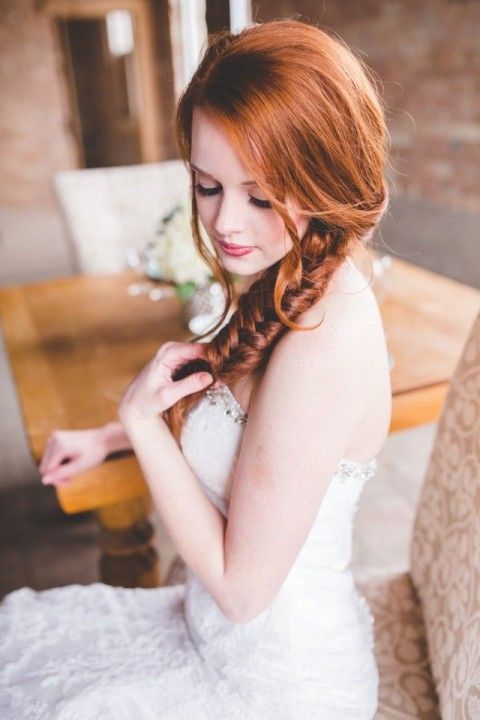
107 211
427 620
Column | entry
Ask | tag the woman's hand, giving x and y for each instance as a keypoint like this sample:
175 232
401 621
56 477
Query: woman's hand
71 451
152 391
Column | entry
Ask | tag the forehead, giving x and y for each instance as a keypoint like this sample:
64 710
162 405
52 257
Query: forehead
212 150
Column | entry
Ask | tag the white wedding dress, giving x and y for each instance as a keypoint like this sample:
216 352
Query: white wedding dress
97 652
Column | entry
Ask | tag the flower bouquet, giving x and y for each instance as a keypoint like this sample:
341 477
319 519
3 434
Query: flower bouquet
171 256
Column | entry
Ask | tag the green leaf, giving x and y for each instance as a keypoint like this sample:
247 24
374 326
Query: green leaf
185 290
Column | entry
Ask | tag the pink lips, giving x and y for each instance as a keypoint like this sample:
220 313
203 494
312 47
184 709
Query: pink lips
235 250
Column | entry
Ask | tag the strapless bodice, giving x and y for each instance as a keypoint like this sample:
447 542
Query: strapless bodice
211 440
98 651
318 604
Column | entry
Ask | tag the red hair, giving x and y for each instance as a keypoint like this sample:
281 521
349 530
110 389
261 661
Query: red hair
304 115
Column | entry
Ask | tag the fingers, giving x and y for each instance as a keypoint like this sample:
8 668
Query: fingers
181 351
191 384
57 449
55 477
62 474
56 480
51 459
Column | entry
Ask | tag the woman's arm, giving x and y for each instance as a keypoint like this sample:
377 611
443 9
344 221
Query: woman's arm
193 522
115 438
68 452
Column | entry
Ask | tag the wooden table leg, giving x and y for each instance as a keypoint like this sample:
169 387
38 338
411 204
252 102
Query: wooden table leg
128 558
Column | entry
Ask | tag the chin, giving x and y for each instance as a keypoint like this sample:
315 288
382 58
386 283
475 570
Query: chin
238 266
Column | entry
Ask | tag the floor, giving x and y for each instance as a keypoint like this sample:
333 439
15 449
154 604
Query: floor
41 547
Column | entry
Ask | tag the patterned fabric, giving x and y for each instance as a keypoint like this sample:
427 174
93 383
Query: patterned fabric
406 686
445 551
127 203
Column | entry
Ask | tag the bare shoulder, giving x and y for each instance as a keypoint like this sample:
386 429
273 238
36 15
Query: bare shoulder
346 315
349 296
347 352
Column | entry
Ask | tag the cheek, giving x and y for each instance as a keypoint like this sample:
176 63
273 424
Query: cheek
271 230
206 212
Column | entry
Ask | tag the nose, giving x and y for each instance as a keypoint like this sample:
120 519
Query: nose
229 218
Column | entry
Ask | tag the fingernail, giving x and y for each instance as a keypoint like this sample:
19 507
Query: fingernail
205 378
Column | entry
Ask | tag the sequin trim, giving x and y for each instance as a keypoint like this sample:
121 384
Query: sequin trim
224 398
352 468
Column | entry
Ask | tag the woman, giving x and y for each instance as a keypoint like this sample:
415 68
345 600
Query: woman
286 141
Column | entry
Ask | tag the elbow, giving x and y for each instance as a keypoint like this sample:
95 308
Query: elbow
232 613
239 617
239 612
242 618
241 603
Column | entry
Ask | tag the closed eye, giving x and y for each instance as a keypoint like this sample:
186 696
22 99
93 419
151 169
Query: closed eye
260 203
208 192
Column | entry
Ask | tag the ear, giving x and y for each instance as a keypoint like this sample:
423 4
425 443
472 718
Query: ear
300 220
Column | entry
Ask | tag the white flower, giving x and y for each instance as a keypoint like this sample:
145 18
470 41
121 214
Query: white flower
172 254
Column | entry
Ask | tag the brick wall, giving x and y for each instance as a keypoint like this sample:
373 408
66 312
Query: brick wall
427 55
35 142
35 139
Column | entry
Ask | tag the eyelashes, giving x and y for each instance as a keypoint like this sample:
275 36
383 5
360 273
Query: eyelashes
260 203
208 192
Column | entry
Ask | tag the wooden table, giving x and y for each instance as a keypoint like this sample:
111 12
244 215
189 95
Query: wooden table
75 343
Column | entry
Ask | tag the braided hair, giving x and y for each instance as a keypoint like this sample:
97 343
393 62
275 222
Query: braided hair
305 117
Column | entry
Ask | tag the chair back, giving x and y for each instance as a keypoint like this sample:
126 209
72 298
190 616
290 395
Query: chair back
445 549
109 210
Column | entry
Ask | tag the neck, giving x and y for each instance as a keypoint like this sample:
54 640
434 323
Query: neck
246 280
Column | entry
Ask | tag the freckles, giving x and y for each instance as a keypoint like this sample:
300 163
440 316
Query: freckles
261 470
276 232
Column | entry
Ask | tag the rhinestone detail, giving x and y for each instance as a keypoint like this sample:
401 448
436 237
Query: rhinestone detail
224 398
363 470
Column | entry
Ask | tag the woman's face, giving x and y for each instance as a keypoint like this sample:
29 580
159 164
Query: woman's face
231 206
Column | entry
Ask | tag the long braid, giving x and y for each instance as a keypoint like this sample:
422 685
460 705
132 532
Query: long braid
303 114
244 344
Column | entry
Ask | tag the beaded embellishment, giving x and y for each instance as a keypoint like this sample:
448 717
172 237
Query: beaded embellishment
223 397
362 470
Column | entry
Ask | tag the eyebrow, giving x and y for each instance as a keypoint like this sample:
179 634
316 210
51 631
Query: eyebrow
202 172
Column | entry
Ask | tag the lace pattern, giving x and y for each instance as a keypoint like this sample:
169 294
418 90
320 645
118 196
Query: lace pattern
109 653
227 402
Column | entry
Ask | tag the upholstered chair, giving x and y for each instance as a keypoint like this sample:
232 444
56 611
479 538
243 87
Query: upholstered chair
110 211
427 620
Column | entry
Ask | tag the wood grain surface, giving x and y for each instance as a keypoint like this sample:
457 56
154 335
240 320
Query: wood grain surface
75 343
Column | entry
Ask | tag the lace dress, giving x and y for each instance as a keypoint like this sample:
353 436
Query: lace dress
98 652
